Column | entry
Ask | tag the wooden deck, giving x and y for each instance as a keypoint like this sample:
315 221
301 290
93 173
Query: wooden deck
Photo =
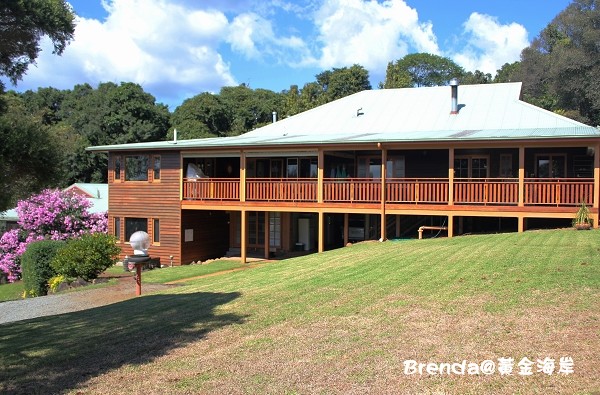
558 192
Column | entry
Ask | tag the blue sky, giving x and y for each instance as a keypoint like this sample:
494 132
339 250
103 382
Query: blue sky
176 49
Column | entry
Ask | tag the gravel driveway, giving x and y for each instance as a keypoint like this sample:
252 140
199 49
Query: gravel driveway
18 310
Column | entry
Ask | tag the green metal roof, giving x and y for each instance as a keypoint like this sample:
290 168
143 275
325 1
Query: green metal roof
487 112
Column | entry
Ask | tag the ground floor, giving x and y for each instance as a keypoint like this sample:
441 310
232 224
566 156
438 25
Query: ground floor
269 233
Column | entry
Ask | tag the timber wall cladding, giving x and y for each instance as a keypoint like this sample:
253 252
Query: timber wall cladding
210 235
152 200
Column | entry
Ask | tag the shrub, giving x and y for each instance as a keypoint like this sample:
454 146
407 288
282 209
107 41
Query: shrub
35 265
86 257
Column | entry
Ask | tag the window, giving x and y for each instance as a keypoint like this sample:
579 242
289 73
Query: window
471 167
132 225
136 168
117 228
117 168
275 229
156 231
292 167
156 168
506 165
551 166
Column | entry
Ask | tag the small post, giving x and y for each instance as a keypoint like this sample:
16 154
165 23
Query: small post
138 279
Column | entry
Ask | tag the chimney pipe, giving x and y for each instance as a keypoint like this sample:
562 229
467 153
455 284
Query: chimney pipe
174 136
454 95
274 116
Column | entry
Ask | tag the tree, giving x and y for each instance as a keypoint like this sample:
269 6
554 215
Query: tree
249 108
509 72
423 69
342 82
203 115
561 67
22 25
110 114
30 156
476 77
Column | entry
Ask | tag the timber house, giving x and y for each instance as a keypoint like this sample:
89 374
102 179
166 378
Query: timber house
378 164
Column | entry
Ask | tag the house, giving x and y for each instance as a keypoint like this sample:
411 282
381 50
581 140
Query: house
377 164
97 194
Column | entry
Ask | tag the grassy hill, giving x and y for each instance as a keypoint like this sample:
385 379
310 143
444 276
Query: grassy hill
339 322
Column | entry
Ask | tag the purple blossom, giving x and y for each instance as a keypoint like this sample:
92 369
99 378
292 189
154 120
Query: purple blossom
52 214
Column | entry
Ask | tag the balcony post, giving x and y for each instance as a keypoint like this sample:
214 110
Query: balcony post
382 193
596 196
450 177
320 172
267 235
521 179
346 235
243 235
242 176
321 233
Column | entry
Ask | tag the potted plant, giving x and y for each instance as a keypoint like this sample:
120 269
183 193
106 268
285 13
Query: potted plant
582 219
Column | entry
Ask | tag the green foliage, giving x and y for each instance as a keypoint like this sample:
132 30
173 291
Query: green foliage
582 217
86 257
24 23
561 67
421 69
509 72
55 282
342 82
30 156
36 266
204 115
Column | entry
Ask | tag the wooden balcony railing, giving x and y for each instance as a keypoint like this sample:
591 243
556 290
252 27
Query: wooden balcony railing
563 192
559 191
281 189
493 191
211 189
351 190
417 190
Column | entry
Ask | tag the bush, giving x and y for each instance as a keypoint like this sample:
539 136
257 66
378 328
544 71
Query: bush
36 268
86 257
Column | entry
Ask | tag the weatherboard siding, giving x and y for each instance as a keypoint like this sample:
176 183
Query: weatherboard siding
152 200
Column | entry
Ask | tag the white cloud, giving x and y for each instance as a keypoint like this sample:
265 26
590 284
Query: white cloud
168 49
370 33
490 44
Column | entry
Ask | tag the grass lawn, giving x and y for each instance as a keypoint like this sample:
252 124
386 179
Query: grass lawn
339 322
12 291
179 273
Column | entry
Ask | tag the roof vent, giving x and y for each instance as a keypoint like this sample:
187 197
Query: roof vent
454 95
274 116
359 112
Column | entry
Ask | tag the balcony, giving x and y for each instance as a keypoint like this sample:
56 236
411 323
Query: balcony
558 192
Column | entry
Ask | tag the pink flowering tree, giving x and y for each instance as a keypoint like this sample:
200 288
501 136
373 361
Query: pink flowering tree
53 214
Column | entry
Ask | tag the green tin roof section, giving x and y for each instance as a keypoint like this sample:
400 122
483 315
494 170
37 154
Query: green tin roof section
487 112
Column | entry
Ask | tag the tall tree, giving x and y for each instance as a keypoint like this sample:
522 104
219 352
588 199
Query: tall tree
341 82
561 67
509 72
23 23
30 156
203 115
423 69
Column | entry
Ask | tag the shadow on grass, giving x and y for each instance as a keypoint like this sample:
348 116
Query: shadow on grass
55 354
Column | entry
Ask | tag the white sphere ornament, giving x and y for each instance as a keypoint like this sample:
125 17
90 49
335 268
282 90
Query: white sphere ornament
140 242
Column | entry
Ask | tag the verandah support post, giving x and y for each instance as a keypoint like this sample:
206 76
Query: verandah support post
346 236
242 176
521 224
243 235
521 181
451 226
596 196
320 172
321 242
383 182
267 235
450 178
